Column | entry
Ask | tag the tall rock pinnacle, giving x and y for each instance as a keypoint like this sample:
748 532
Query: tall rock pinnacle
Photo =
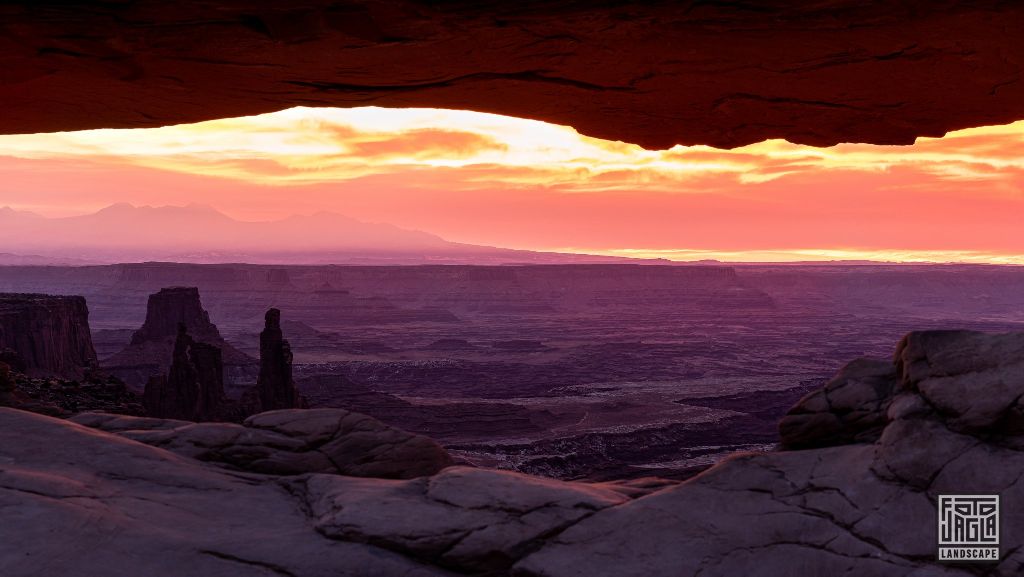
193 388
275 385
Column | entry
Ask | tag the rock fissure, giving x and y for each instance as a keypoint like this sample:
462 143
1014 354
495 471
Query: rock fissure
276 569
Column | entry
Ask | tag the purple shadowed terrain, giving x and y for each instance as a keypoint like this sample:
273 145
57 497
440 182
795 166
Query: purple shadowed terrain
568 371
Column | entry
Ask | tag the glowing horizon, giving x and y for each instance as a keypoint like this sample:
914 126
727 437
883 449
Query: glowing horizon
500 181
814 255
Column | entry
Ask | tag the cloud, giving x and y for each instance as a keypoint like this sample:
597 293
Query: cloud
495 180
424 143
305 146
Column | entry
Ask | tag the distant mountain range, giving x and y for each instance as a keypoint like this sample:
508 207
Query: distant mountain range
198 233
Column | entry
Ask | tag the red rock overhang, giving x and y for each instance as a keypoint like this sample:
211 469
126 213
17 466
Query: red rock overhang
652 73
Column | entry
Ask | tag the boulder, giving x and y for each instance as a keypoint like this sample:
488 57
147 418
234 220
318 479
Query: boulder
851 407
289 442
975 379
471 520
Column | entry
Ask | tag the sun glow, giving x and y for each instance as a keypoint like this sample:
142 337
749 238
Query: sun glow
316 145
814 255
489 179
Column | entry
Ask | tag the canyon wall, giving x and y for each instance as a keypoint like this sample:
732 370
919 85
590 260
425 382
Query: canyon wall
49 333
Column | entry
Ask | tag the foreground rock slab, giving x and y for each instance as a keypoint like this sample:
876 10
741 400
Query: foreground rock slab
943 418
289 442
80 502
464 518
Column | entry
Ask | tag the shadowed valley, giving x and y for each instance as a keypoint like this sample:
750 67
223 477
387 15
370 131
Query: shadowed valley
569 371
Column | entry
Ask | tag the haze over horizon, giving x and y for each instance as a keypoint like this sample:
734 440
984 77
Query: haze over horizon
123 232
200 233
493 181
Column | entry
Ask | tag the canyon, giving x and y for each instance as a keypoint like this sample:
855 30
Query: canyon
112 496
528 421
596 372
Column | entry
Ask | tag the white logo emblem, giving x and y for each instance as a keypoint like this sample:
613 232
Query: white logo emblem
968 527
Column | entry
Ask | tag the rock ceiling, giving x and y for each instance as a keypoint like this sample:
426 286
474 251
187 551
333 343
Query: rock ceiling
652 73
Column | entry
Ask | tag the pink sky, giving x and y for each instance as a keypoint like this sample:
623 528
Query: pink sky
486 179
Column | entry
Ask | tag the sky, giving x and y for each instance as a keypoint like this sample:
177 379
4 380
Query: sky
499 181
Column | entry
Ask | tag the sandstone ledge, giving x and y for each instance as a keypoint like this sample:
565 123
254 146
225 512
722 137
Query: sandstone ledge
289 442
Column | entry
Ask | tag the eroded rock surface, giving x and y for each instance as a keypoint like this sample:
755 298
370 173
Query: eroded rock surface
652 73
850 407
467 519
289 442
81 502
862 502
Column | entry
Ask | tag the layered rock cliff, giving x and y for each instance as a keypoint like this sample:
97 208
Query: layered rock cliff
175 306
152 346
48 334
193 388
888 436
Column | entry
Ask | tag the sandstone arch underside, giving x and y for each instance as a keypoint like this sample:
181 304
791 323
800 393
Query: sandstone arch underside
652 73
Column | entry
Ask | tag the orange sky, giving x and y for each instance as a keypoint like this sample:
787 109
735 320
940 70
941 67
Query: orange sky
493 180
